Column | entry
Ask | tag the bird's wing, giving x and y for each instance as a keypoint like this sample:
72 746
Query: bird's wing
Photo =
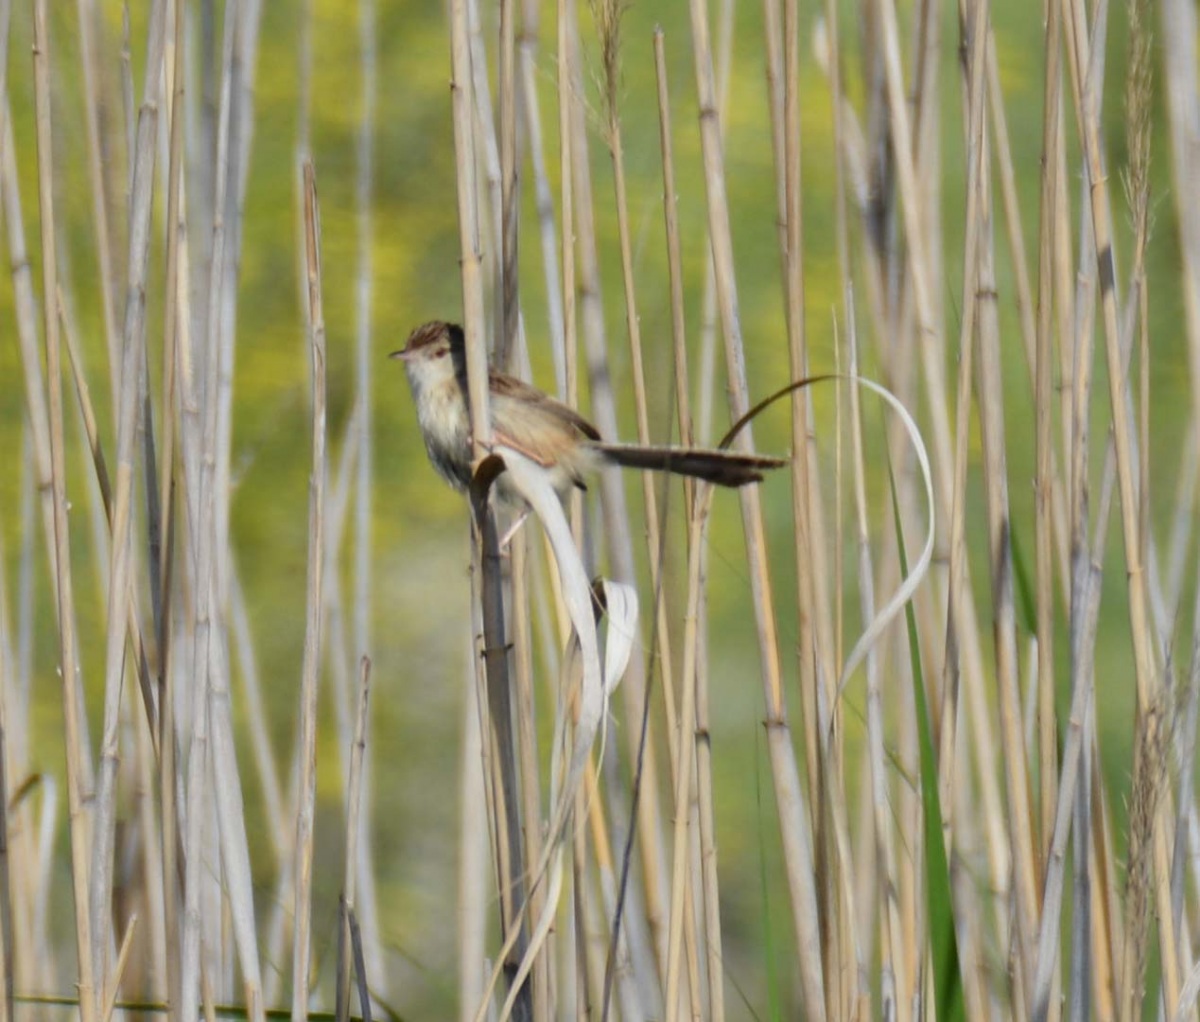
505 386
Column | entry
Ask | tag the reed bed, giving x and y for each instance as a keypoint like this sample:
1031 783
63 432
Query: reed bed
918 742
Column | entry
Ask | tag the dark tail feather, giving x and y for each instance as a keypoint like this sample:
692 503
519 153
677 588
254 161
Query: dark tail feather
725 468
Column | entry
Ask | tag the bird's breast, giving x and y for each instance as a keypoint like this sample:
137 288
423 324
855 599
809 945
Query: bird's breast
445 425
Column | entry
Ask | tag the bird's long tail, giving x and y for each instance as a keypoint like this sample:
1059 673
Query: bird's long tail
725 468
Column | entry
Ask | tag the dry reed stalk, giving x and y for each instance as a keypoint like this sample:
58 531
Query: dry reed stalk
240 131
14 844
1092 806
61 556
1186 752
464 149
524 774
1104 906
1026 869
893 952
121 568
7 858
1023 289
927 48
1076 306
200 443
510 195
494 660
306 805
303 148
697 527
776 83
814 622
1148 774
709 933
473 896
1043 525
608 15
1150 810
363 294
505 793
278 825
1144 660
584 979
232 900
706 386
282 893
678 334
614 510
363 925
566 136
98 181
25 304
1182 526
1050 220
100 467
7 977
1182 99
128 104
781 101
543 198
490 194
147 970
19 878
618 965
176 310
956 581
367 901
353 830
882 852
1096 899
526 722
913 209
793 814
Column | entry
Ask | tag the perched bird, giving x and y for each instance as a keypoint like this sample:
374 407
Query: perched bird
545 430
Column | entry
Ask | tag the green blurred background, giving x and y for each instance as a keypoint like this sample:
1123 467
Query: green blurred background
418 526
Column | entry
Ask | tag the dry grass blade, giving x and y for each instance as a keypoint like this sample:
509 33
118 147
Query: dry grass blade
110 996
100 466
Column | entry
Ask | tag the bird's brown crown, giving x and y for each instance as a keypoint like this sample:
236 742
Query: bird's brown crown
435 332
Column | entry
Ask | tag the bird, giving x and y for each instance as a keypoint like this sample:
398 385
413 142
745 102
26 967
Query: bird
526 419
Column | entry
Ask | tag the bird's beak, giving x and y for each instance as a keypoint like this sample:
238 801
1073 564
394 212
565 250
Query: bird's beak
402 355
